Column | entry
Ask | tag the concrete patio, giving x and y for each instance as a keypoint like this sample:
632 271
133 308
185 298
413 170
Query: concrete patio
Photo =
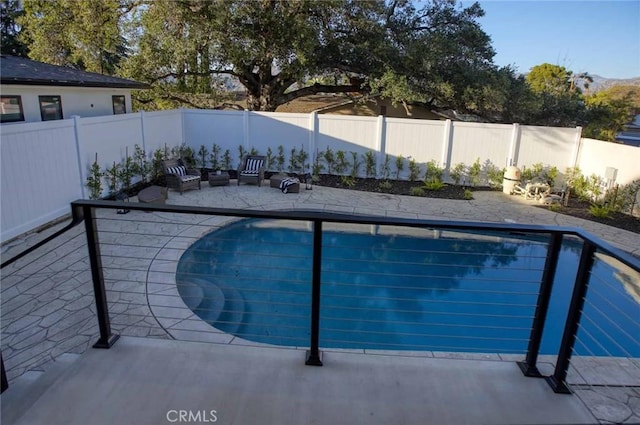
48 320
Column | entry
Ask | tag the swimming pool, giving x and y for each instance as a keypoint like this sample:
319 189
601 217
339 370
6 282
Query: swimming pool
392 288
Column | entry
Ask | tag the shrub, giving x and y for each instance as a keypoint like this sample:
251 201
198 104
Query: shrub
94 180
433 173
624 198
140 166
385 186
550 175
112 173
293 160
495 175
347 181
188 156
202 156
214 157
458 172
329 158
474 173
417 191
594 186
386 168
271 160
341 162
355 164
226 160
600 211
370 164
175 153
539 171
280 158
570 175
125 173
302 158
156 163
468 195
555 207
399 166
317 166
434 185
414 170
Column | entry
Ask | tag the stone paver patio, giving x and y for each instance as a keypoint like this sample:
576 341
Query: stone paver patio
47 296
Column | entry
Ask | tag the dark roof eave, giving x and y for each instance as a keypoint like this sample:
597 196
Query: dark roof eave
33 82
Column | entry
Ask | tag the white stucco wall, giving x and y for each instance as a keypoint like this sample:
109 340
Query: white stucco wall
82 101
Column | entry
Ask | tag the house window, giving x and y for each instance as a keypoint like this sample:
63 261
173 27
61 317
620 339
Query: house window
119 105
50 108
11 109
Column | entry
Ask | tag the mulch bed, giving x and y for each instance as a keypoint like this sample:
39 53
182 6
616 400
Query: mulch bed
576 207
397 187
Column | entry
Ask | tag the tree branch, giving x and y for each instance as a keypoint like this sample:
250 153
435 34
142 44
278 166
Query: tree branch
196 74
320 88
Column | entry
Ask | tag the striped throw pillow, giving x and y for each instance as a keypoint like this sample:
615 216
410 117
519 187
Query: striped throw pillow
252 166
180 170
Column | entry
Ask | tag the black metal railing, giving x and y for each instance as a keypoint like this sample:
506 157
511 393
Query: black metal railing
542 276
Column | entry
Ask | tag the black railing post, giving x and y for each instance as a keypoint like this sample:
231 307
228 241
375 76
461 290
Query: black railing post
4 383
107 339
557 380
314 356
529 366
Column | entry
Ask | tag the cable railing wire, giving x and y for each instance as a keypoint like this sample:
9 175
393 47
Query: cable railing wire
503 303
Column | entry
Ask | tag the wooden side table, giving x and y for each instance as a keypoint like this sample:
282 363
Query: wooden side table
221 179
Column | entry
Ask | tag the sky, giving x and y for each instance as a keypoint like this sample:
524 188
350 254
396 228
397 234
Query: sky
598 37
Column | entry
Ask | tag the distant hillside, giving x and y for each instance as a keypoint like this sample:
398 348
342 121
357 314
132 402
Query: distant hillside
602 83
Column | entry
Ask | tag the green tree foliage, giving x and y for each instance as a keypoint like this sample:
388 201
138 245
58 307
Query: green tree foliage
432 53
607 115
436 55
558 101
10 12
274 47
624 92
174 51
86 34
550 79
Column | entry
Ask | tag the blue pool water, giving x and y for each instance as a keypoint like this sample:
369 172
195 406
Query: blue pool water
385 290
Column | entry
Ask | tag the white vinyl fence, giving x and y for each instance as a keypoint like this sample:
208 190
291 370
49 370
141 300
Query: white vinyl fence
44 165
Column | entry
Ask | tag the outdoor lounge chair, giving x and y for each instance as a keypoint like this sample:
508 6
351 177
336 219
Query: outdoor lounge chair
252 169
534 189
180 177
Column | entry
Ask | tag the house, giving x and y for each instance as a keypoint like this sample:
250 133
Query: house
34 91
631 133
367 107
340 104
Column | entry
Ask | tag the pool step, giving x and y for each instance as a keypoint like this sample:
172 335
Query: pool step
230 318
191 293
219 305
212 302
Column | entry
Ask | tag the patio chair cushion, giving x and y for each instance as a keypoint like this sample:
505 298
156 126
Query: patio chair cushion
252 167
180 170
189 178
